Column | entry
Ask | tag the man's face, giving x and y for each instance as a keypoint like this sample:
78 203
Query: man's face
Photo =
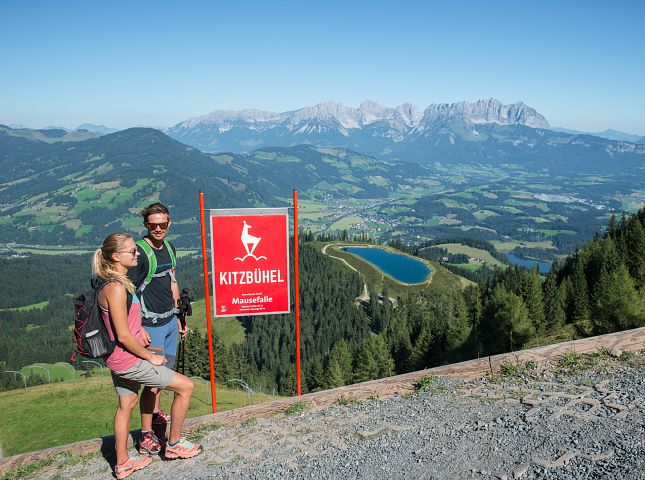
157 225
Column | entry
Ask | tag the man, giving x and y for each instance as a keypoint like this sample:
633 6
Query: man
157 288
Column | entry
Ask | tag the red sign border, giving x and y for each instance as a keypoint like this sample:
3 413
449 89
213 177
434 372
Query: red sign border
232 212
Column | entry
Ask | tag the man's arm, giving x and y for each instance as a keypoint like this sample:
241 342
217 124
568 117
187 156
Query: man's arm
174 287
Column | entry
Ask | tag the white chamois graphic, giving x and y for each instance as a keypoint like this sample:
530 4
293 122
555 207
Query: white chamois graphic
249 241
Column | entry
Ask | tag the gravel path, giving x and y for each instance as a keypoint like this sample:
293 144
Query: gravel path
577 424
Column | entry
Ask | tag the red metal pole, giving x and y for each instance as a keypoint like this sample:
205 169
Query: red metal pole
207 297
296 286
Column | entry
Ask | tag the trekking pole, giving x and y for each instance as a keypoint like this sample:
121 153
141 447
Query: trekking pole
182 355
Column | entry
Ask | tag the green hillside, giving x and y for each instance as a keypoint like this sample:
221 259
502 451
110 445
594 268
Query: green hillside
48 415
73 193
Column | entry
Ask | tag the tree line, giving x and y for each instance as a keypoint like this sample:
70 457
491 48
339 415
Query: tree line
600 288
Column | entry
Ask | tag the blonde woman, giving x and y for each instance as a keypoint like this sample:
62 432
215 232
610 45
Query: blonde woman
132 365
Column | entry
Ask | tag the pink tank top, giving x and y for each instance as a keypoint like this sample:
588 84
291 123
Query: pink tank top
121 359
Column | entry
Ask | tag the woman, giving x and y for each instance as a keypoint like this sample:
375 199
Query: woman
131 364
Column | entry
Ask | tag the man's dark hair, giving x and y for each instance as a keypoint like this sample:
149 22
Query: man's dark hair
153 208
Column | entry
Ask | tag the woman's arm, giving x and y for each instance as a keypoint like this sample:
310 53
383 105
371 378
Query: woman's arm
115 298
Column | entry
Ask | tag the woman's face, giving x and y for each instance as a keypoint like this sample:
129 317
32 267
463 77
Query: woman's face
128 254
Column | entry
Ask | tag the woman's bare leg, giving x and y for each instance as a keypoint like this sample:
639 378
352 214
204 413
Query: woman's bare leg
183 388
122 426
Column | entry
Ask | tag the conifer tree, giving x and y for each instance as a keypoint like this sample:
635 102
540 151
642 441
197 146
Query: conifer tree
578 298
334 374
342 356
315 374
618 306
531 290
421 350
365 367
553 305
634 239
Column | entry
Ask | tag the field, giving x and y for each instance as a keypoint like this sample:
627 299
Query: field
483 255
67 250
26 308
60 413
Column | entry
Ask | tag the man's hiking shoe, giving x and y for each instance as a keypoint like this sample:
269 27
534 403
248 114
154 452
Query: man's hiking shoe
131 466
183 449
160 418
149 444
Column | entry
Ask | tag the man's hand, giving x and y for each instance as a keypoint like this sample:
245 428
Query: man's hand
183 328
146 338
157 360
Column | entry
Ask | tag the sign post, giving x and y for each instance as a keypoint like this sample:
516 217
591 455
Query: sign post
296 287
207 297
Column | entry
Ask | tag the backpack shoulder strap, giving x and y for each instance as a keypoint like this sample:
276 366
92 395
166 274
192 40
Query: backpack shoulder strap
171 252
152 262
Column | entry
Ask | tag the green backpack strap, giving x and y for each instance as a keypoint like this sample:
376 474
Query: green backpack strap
152 260
172 254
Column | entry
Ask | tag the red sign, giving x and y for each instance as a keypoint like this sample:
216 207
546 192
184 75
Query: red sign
250 252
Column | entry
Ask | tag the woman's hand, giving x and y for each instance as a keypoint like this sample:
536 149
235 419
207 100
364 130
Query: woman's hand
157 360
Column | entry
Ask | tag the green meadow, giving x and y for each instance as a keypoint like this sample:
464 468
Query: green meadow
48 415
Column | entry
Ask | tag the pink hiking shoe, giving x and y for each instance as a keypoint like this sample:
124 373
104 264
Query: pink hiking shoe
131 466
183 449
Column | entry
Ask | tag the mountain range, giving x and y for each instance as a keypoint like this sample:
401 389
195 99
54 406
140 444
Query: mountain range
65 187
609 134
483 131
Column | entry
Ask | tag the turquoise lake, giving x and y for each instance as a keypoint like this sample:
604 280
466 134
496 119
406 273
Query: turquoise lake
402 268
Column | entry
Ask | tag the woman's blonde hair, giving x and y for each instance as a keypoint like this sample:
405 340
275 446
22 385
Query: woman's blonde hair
103 265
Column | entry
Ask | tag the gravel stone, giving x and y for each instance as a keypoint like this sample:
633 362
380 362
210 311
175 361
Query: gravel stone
582 424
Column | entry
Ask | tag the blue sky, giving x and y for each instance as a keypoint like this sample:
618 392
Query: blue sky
125 63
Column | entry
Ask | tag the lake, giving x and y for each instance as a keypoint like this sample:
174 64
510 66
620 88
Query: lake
402 268
523 262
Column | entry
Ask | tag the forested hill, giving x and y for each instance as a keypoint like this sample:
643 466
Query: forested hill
66 193
599 289
77 192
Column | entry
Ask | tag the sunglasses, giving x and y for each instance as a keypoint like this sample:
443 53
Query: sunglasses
132 252
153 226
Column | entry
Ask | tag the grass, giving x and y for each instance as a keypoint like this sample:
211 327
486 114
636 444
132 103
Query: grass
425 384
556 232
570 361
510 245
471 252
57 371
346 222
516 369
297 407
57 414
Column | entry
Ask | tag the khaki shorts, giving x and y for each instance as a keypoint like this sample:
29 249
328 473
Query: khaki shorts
128 382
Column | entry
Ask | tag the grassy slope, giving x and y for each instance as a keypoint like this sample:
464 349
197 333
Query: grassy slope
60 413
471 252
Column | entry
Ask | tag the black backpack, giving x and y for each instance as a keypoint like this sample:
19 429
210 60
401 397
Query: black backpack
91 338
